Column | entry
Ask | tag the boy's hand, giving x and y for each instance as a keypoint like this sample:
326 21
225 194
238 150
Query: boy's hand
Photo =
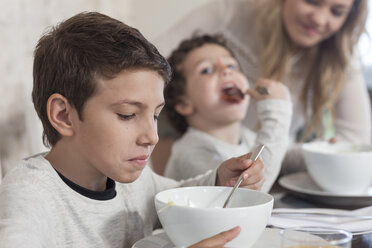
276 90
218 240
253 173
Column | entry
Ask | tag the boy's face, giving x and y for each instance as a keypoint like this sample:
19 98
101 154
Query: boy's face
118 130
208 70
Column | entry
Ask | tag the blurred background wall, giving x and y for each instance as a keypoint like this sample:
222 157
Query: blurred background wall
21 24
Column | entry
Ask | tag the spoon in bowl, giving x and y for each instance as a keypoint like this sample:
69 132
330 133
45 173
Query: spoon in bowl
255 154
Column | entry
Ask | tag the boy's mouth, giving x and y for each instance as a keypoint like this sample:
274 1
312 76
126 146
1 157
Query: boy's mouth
228 84
231 93
140 160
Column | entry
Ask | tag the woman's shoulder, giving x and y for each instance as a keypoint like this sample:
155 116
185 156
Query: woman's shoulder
238 14
219 14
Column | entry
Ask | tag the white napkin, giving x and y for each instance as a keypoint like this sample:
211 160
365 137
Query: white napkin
349 224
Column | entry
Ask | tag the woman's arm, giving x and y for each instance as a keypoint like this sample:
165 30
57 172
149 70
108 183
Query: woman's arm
353 108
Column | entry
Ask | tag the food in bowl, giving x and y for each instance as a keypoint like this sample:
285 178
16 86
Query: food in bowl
340 168
191 214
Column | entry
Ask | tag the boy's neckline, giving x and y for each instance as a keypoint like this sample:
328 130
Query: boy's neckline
108 194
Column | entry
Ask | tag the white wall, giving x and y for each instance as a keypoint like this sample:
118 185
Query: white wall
153 17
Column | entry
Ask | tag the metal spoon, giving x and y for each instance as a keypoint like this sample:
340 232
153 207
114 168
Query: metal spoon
255 154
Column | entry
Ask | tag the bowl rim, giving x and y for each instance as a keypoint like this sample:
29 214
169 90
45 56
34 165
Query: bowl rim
306 147
269 201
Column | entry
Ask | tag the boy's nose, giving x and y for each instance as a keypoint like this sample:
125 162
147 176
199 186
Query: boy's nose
149 134
224 69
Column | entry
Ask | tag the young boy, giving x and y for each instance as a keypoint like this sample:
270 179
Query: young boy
197 106
98 90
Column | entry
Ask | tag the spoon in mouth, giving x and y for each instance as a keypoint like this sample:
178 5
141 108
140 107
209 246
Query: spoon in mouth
232 94
235 95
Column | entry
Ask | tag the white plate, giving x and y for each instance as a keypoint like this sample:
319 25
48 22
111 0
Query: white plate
269 239
330 219
302 185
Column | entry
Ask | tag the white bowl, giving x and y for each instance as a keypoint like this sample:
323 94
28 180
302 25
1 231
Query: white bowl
340 168
191 214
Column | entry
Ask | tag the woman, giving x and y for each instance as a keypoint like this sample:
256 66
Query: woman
310 45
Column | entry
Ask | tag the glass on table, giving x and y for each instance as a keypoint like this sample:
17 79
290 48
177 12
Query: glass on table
315 237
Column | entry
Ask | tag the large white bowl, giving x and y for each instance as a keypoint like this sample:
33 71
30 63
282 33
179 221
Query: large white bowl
340 168
191 214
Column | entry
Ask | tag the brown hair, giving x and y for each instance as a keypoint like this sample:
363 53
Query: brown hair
326 63
176 89
73 55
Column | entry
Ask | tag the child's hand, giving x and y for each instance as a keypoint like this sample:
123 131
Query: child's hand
276 90
218 240
253 173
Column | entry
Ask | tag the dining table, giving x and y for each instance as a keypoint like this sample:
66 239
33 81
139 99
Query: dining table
291 199
297 192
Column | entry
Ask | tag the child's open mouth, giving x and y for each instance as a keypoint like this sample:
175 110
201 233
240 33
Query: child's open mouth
232 94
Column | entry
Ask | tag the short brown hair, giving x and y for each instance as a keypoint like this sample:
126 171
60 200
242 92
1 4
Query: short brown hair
176 89
71 57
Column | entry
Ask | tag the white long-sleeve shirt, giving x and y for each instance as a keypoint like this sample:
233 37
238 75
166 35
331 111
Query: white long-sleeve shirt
236 21
196 151
38 209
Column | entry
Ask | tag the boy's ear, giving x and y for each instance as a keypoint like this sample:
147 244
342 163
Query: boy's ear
184 108
59 113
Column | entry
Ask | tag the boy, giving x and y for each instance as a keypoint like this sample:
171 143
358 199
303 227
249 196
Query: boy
204 69
98 90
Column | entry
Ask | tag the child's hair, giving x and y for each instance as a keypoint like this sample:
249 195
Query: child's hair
176 88
73 55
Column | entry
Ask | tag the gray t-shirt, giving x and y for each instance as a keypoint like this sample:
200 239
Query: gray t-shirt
38 209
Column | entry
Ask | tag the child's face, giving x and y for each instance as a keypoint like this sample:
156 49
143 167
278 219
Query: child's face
208 70
118 130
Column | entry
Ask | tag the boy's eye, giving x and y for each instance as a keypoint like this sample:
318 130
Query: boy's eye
232 66
313 2
207 70
126 117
